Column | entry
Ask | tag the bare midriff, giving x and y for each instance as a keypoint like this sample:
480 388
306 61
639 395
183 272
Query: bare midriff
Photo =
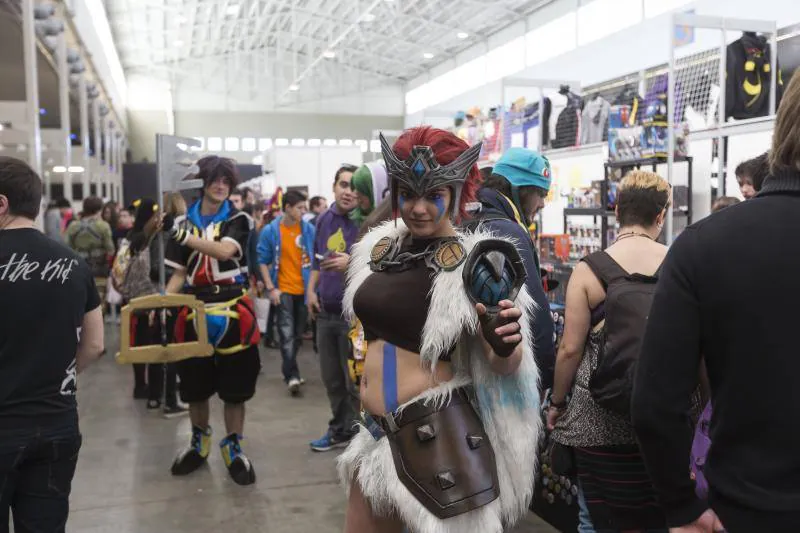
412 378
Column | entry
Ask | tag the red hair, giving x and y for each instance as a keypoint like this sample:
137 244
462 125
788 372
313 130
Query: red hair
446 147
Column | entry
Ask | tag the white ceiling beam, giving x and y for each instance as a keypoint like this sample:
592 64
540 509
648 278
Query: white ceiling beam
181 62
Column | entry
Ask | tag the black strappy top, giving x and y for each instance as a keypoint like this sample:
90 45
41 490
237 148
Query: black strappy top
393 305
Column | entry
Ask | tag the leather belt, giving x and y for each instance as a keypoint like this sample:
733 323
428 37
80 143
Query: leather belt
392 422
216 292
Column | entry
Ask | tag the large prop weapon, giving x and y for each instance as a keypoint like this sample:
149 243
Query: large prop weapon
175 163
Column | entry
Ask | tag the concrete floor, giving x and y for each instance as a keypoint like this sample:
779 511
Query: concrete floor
123 483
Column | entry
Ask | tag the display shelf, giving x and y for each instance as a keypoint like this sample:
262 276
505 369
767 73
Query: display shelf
604 213
652 161
584 211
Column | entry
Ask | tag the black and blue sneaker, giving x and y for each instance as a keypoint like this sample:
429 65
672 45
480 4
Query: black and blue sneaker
330 442
193 457
239 466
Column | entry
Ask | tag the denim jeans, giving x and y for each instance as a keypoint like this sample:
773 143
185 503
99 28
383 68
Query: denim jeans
36 470
584 518
291 325
334 349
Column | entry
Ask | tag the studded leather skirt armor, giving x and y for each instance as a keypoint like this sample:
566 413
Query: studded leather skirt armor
442 454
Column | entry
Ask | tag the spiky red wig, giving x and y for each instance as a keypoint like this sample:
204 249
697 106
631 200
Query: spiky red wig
446 147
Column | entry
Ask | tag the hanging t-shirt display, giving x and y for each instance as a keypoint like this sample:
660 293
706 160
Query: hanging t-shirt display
749 78
569 121
594 121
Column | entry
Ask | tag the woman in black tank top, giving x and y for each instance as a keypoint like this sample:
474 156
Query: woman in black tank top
418 285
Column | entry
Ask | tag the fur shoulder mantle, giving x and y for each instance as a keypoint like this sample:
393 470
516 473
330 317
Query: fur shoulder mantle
451 314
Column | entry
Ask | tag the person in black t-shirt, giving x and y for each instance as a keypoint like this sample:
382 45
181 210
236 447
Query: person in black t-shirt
44 288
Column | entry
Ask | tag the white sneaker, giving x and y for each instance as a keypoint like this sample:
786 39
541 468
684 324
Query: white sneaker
294 386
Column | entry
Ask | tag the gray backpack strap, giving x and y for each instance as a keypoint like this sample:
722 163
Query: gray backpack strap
605 268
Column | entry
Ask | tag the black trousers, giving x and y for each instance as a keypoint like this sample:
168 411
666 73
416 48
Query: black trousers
158 375
36 470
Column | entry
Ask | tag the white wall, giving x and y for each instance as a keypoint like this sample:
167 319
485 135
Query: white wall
314 168
281 125
387 100
641 46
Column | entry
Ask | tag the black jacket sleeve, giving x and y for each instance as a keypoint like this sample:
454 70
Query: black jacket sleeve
667 375
542 320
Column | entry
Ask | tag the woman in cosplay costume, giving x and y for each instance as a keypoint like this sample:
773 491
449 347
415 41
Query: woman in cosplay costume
450 389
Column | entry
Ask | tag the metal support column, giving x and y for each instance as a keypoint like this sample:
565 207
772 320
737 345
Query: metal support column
84 114
63 111
106 158
32 90
722 181
97 153
670 130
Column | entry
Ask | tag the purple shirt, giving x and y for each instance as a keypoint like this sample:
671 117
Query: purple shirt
335 232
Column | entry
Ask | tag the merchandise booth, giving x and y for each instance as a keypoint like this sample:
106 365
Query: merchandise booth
692 120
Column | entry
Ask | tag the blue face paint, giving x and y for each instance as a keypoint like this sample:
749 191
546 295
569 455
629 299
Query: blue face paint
441 209
401 200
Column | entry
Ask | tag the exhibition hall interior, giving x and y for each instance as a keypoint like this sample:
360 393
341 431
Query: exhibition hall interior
553 207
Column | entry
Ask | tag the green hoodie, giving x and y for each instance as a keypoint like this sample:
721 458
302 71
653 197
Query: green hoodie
371 181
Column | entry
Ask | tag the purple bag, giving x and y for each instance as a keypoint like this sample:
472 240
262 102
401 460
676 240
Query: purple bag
700 446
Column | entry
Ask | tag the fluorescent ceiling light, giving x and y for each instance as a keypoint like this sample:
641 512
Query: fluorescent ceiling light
462 35
178 42
232 10
294 87
329 142
367 17
427 55
328 54
76 169
281 142
345 142
59 169
314 142
264 144
298 142
375 146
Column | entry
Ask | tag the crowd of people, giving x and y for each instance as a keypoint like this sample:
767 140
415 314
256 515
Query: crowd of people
436 343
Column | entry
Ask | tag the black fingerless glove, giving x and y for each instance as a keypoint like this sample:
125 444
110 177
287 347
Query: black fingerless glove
490 322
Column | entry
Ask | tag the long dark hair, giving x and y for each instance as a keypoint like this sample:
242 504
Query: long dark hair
146 209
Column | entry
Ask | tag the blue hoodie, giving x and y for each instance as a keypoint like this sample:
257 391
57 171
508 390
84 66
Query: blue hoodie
269 248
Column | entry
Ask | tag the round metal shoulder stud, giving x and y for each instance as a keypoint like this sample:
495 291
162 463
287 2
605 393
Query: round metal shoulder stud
449 255
381 249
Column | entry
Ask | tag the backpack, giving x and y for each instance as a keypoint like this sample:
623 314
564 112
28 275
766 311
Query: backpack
120 266
627 306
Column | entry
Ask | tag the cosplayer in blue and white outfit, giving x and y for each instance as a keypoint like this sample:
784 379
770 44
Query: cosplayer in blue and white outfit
208 252
450 388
